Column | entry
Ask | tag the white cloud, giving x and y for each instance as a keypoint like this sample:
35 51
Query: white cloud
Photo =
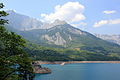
116 21
109 12
104 22
70 12
100 23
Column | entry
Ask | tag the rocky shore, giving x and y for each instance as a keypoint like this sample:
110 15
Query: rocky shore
37 68
42 70
71 62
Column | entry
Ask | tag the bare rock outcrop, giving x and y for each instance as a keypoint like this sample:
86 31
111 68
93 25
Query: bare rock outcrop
37 68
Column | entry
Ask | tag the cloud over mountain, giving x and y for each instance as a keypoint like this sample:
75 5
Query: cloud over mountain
70 12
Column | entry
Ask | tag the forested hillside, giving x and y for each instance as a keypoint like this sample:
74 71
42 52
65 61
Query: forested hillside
37 52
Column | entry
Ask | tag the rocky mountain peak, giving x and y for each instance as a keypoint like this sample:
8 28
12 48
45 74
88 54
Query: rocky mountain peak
59 22
54 24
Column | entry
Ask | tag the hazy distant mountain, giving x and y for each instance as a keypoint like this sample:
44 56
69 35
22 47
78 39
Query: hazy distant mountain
110 38
22 22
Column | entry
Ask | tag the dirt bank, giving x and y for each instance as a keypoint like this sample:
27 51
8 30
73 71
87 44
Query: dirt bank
70 62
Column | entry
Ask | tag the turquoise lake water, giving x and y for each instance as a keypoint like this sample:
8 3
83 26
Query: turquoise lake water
83 71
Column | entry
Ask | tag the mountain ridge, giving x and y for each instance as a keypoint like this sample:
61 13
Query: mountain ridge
110 38
23 22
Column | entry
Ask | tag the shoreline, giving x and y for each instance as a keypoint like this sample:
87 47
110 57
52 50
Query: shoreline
72 62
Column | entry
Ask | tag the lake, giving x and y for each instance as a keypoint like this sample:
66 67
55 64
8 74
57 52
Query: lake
81 71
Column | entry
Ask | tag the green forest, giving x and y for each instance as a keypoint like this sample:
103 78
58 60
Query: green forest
37 52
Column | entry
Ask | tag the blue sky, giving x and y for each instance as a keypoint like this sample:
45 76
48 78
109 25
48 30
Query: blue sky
95 16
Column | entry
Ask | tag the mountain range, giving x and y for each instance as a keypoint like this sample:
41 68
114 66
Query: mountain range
110 38
58 34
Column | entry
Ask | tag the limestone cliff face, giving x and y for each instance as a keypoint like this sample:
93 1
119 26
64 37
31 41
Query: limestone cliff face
61 34
55 39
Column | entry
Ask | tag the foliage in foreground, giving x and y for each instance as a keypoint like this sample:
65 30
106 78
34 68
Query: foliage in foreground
14 62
